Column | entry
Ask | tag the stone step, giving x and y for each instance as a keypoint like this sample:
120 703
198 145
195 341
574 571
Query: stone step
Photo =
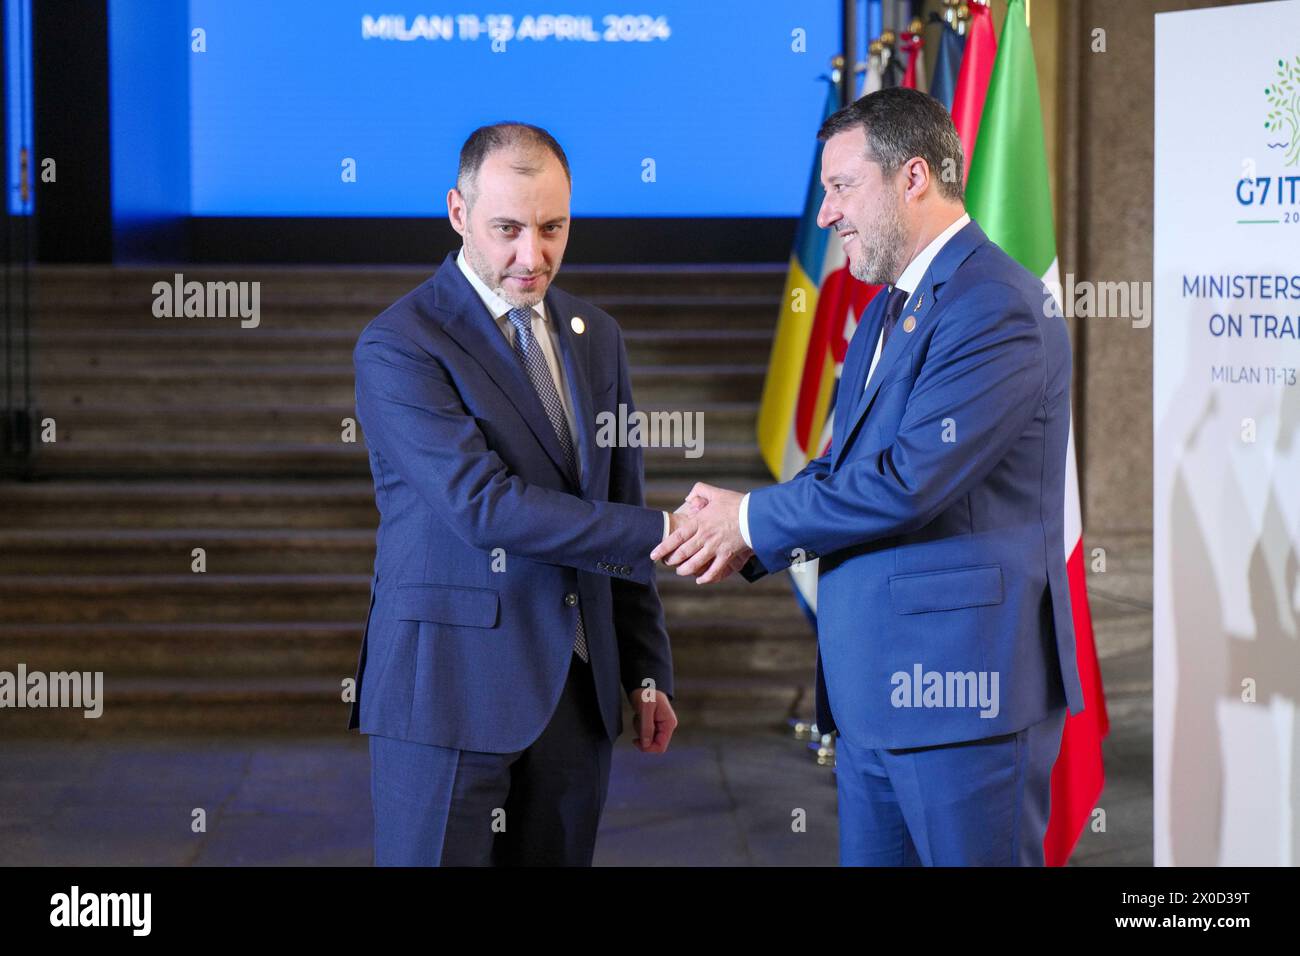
219 596
754 701
324 504
183 706
177 648
702 646
198 598
62 551
275 459
669 493
169 551
173 346
320 504
186 705
298 424
768 601
745 314
334 384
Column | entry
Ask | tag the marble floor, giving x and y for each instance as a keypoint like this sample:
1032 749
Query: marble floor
716 799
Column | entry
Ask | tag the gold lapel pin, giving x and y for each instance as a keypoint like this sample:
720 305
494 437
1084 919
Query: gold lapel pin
577 325
909 324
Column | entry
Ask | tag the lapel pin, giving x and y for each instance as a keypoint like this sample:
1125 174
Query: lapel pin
577 325
919 299
909 324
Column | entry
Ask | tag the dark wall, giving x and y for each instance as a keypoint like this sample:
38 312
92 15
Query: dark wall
70 126
606 241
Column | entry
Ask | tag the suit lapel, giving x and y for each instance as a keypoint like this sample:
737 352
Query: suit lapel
575 354
849 398
917 313
472 327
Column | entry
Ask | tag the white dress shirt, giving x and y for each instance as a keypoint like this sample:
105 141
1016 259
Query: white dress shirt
908 282
544 333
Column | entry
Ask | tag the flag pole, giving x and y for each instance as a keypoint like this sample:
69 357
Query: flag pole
848 49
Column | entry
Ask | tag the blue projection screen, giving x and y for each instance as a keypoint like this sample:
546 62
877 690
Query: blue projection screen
677 108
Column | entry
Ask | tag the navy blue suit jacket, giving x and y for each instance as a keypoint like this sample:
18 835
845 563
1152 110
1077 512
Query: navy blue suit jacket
486 547
937 514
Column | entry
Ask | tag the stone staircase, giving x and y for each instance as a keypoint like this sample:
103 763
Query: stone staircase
183 433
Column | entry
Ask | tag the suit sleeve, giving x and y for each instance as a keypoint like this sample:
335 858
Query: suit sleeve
643 646
979 388
414 420
754 568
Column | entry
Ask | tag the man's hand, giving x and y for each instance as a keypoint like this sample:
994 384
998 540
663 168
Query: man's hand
653 720
692 504
706 542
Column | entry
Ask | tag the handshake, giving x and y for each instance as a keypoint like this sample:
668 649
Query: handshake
704 536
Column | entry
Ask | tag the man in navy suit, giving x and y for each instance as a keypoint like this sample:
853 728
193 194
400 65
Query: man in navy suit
946 645
513 603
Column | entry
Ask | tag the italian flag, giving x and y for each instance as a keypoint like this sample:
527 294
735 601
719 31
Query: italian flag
1008 192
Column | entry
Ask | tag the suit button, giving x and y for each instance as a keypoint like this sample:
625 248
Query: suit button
626 569
571 599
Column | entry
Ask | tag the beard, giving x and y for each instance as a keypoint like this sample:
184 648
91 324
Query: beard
496 281
881 247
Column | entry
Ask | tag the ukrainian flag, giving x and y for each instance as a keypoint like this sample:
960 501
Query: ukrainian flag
819 314
781 389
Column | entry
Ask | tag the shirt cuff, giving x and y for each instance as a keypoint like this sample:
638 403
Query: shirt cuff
744 521
666 524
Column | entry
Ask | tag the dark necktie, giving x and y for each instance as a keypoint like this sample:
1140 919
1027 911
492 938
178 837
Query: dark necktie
893 309
529 352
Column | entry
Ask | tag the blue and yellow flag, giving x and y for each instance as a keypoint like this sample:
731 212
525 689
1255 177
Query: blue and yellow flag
819 313
794 328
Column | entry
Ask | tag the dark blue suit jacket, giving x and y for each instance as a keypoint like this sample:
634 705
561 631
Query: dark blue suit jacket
937 514
485 546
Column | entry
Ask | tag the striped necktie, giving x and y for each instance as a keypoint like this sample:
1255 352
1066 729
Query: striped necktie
530 356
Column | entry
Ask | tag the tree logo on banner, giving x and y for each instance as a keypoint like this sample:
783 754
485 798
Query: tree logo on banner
1284 110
